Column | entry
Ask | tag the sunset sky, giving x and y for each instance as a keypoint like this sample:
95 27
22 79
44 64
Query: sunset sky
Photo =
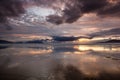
41 19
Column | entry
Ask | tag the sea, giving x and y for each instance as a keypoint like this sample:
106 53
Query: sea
59 61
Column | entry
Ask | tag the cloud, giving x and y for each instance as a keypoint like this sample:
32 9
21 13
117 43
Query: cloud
111 10
55 19
74 9
110 32
10 8
64 11
70 10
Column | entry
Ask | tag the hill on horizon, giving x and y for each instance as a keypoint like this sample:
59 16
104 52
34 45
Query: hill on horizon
111 41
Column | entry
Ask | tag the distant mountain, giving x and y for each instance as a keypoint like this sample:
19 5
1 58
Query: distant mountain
33 41
112 41
64 38
5 42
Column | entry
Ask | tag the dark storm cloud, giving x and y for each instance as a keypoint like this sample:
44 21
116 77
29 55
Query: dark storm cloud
70 14
74 9
55 19
114 31
10 8
81 7
111 10
92 5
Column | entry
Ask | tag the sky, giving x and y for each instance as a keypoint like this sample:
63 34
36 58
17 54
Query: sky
40 19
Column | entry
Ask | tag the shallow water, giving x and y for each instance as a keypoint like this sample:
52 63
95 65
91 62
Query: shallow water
59 62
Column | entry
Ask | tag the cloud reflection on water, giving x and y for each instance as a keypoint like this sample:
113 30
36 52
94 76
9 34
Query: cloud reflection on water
59 62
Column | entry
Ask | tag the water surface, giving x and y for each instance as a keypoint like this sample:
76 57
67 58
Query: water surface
59 62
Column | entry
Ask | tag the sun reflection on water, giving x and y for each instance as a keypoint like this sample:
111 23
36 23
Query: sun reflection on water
97 48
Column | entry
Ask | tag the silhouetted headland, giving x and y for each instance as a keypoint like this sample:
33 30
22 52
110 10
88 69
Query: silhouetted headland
65 38
5 42
112 41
